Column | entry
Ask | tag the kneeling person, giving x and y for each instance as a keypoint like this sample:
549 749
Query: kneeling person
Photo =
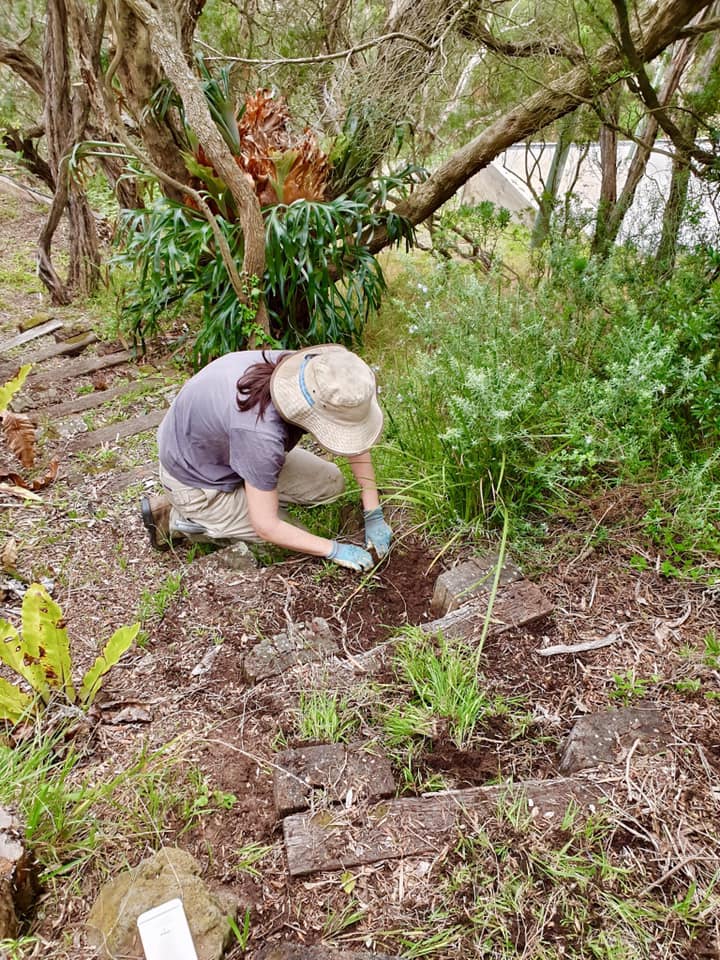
229 459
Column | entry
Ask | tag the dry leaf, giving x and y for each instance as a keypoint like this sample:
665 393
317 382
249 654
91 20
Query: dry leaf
20 435
9 555
39 483
16 491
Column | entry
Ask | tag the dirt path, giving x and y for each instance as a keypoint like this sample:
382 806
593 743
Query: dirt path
184 684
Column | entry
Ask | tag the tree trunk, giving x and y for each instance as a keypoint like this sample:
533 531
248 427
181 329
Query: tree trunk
608 167
548 198
680 180
165 46
658 28
65 118
646 142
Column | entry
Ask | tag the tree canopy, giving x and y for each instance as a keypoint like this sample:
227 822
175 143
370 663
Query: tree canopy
142 85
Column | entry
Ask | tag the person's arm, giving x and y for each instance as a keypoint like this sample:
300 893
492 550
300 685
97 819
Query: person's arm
263 512
377 532
362 469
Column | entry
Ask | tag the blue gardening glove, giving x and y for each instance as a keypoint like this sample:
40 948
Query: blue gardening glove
350 556
377 533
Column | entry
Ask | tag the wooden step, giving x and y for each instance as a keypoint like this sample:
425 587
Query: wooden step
115 431
338 838
91 401
32 334
77 368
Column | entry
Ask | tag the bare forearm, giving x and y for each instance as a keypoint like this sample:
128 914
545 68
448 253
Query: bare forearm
363 471
286 535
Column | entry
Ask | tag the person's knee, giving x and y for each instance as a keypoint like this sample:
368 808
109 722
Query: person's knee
333 483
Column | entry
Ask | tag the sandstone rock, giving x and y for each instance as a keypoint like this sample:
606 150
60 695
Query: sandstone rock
305 644
469 580
606 737
167 874
18 874
237 556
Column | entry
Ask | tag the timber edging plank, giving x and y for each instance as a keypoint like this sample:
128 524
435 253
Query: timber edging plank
48 353
92 400
337 838
78 368
32 334
115 431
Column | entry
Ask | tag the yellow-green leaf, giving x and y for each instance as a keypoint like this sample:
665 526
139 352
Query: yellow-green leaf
12 386
24 661
45 639
116 646
13 702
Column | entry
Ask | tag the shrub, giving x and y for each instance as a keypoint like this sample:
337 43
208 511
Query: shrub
533 394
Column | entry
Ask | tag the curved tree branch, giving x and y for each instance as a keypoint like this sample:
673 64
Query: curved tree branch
659 27
644 88
476 29
23 65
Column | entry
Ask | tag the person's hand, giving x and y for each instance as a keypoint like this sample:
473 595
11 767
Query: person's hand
350 556
377 533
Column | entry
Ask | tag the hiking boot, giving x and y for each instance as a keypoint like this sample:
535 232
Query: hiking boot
156 518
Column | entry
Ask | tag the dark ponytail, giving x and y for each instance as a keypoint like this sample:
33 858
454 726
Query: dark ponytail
253 387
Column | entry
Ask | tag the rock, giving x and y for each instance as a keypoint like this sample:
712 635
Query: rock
516 605
606 737
236 556
305 644
341 774
168 874
18 874
29 323
469 580
297 951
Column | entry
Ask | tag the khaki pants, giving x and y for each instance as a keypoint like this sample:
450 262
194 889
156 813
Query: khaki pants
304 479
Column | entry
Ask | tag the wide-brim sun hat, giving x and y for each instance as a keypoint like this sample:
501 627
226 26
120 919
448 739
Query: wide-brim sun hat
331 393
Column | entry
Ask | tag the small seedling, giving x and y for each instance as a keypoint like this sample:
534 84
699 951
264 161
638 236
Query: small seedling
711 656
154 603
248 856
627 686
241 935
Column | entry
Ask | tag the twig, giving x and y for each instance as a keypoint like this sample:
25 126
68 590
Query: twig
582 647
671 873
325 57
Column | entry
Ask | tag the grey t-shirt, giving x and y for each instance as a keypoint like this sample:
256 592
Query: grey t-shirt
205 441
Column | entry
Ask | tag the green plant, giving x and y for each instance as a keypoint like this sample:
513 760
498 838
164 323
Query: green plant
40 654
16 949
339 920
9 389
154 603
535 394
241 935
711 643
627 686
248 855
444 683
202 799
172 253
325 716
